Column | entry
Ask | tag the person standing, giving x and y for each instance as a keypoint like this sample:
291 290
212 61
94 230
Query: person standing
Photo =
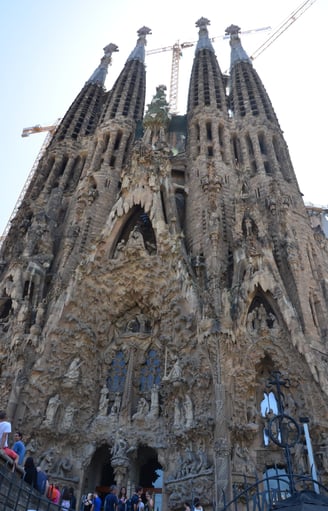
65 500
5 429
149 504
72 499
111 500
30 472
96 503
197 506
122 498
19 447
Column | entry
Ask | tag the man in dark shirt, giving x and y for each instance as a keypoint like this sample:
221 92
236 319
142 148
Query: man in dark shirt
111 500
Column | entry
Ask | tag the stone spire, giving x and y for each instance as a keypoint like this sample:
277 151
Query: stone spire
238 53
204 41
139 51
99 75
127 97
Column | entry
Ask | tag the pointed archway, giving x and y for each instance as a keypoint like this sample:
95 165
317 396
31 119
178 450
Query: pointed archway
150 474
100 474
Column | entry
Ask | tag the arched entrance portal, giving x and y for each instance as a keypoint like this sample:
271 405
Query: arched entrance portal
150 474
100 474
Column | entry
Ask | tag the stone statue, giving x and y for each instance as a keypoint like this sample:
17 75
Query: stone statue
103 401
73 374
142 409
53 405
154 403
120 447
188 411
175 373
68 418
116 406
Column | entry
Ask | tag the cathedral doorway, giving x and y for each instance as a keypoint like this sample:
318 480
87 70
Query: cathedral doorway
150 474
100 474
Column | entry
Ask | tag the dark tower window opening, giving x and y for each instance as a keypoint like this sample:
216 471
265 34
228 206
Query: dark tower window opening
221 141
210 151
126 150
106 142
236 149
262 143
117 140
209 131
163 206
61 167
5 307
28 290
180 201
112 161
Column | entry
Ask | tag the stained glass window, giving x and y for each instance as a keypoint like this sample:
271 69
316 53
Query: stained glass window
117 374
150 373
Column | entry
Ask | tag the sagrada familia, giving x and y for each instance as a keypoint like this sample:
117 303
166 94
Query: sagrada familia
163 295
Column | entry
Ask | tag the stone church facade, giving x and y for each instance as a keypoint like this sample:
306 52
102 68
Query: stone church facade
158 272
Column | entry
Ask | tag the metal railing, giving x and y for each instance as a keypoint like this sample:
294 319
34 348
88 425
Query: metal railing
17 495
265 494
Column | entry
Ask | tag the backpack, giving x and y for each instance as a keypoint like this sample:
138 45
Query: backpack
41 481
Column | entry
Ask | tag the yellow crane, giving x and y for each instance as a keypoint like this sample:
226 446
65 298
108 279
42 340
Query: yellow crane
38 129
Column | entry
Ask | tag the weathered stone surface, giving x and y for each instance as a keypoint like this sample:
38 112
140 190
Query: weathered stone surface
150 286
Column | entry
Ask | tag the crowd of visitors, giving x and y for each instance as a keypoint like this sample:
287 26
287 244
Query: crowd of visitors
118 500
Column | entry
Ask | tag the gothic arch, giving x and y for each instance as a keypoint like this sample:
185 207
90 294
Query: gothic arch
99 474
137 223
263 310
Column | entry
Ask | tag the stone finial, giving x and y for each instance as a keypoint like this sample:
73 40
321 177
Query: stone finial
202 23
99 75
204 40
139 51
232 30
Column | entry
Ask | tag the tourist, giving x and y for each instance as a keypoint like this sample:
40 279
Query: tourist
19 447
65 500
87 503
149 504
72 498
42 481
187 506
30 472
197 506
96 503
111 500
122 498
5 429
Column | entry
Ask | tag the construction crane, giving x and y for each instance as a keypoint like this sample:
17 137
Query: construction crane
176 50
25 133
293 16
38 129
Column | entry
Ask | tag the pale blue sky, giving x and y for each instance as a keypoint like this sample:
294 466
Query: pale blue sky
49 49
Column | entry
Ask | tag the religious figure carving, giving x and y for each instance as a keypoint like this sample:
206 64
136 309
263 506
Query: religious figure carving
154 403
119 449
103 401
73 374
68 418
53 405
142 409
116 406
175 374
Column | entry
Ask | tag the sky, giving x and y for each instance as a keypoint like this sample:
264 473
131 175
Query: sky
50 49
